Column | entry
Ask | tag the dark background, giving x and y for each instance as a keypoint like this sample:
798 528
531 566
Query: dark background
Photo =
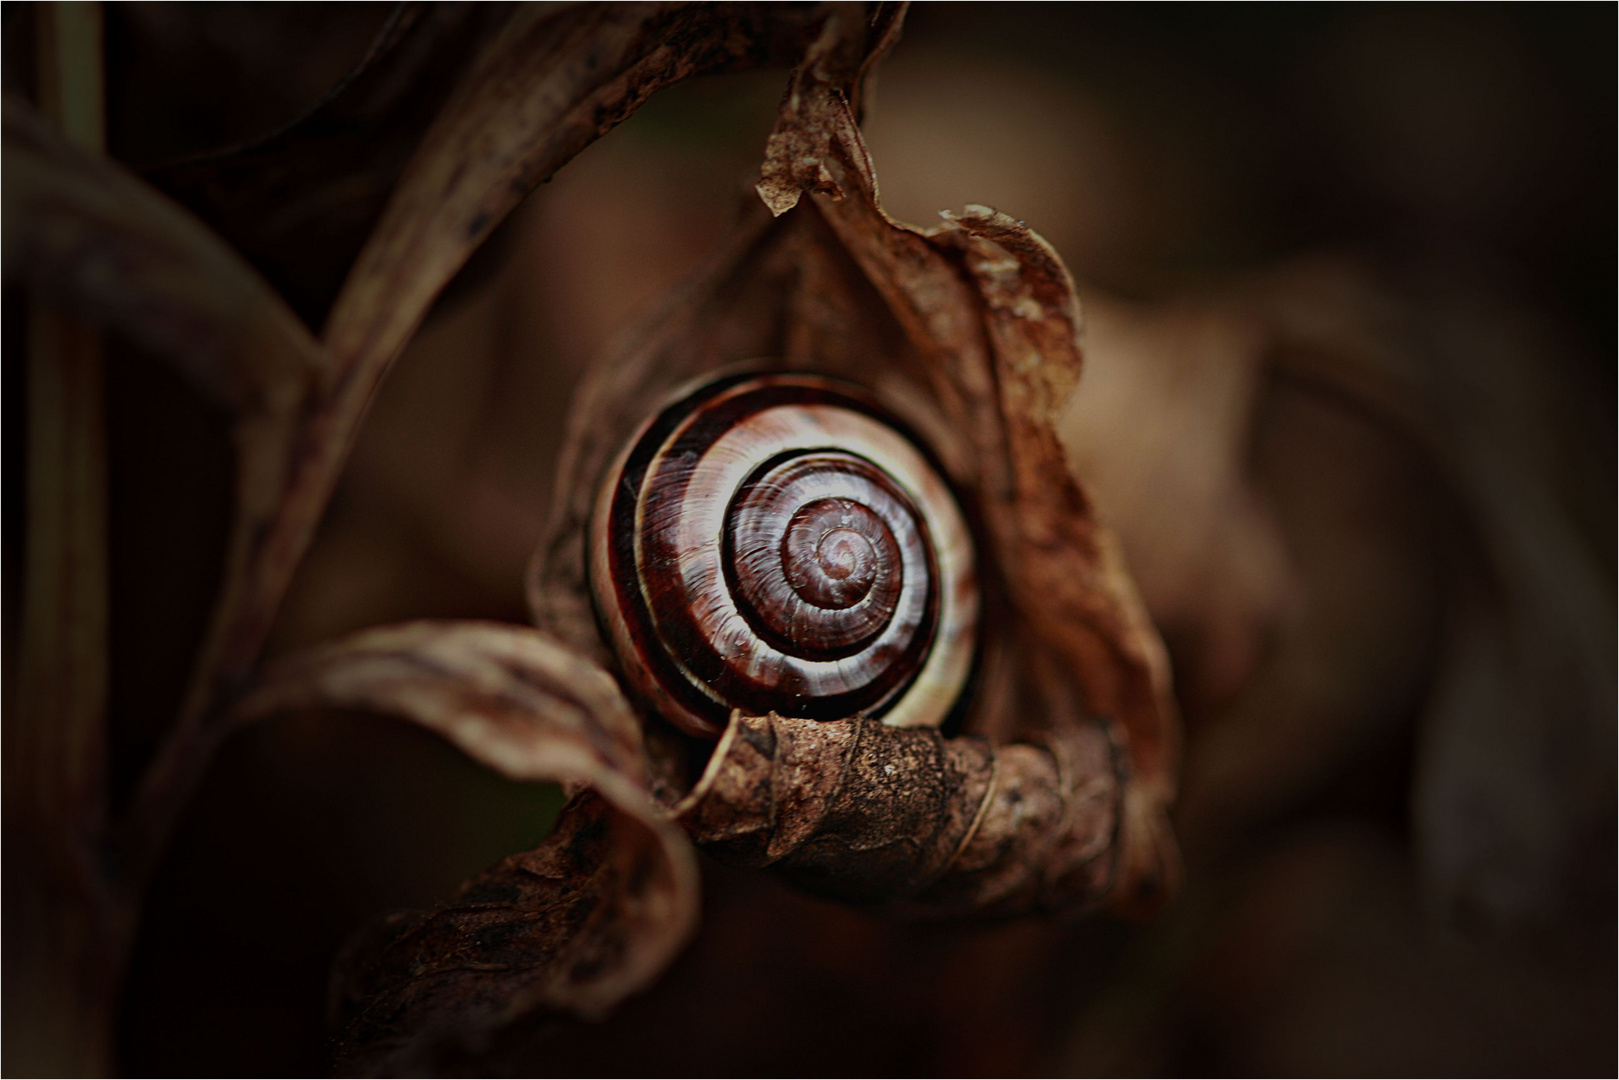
1166 151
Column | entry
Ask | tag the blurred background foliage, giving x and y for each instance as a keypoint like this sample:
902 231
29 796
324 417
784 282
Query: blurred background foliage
1460 156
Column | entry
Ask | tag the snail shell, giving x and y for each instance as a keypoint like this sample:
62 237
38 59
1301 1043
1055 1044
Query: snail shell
779 542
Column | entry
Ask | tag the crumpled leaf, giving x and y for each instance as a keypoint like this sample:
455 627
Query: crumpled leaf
843 54
1069 580
591 915
931 826
969 332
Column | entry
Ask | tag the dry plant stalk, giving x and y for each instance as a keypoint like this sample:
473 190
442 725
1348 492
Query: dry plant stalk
1052 798
57 755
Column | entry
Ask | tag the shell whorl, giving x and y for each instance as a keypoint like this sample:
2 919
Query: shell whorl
778 542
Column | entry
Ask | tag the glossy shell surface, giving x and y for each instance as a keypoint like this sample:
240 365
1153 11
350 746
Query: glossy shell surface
779 542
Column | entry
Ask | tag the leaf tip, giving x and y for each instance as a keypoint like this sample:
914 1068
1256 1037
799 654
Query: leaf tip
780 198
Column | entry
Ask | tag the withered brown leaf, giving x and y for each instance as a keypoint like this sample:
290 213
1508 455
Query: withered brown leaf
970 332
909 820
87 235
1054 798
555 78
591 915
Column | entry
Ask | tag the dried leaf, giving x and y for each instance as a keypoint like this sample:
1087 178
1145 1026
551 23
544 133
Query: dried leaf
969 333
591 915
1069 578
838 61
569 928
908 819
554 80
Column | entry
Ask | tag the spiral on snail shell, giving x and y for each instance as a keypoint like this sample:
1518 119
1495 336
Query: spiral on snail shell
780 542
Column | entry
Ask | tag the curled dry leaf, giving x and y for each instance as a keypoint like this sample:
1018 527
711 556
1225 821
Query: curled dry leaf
87 235
591 915
841 55
905 817
969 332
91 235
